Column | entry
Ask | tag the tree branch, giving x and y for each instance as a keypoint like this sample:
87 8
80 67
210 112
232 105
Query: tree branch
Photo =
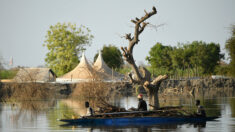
159 79
132 80
143 26
128 37
128 52
137 28
143 76
155 84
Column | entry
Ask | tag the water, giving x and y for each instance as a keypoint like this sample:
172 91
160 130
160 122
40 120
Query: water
41 116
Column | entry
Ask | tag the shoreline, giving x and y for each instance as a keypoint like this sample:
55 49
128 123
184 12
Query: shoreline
196 87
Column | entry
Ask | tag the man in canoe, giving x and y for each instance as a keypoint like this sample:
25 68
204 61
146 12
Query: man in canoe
90 111
200 110
142 106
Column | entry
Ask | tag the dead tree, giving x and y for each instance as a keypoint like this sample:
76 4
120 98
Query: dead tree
143 76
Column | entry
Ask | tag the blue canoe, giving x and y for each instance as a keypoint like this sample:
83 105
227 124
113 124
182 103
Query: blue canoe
130 121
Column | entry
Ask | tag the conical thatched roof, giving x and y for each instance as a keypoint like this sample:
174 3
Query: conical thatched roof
102 67
83 71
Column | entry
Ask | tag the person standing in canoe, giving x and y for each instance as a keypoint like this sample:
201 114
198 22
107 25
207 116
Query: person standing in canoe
142 106
200 109
90 111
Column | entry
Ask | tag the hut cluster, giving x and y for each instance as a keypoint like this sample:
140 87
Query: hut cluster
83 72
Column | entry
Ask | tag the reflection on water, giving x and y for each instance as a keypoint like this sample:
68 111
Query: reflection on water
40 116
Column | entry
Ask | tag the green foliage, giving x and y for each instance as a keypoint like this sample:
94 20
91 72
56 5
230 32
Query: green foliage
112 56
195 58
124 70
8 74
159 56
230 47
65 43
222 70
203 55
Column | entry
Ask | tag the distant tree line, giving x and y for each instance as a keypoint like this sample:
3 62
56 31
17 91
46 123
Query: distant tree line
189 59
230 47
66 42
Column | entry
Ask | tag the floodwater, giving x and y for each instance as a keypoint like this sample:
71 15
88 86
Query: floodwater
42 116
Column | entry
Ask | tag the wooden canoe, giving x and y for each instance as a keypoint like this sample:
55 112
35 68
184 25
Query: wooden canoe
129 121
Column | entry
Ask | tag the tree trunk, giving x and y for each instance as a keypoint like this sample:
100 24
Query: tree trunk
151 86
153 100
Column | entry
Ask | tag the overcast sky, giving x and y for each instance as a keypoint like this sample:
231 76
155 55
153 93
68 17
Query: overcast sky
24 24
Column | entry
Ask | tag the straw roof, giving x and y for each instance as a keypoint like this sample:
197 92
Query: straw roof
83 71
35 75
102 67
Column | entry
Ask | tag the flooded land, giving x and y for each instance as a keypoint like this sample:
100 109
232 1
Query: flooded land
42 111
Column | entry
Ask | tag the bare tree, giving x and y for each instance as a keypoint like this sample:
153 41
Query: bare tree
143 76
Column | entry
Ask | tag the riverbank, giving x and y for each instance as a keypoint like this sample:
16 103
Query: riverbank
197 87
56 90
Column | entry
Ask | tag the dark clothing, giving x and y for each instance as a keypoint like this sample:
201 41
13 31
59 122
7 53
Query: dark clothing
142 106
89 111
201 111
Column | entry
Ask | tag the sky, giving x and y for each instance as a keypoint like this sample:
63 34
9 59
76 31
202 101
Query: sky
24 24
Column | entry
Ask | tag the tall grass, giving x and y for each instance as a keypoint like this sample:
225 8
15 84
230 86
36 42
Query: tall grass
98 92
173 73
178 73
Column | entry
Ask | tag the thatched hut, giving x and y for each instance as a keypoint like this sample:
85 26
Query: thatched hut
82 72
35 75
110 74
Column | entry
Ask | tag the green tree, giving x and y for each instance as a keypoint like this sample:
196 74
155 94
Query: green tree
230 47
205 56
159 57
177 57
222 69
198 55
112 56
213 58
189 59
65 43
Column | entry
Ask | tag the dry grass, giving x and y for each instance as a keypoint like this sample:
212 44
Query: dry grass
27 97
98 93
26 91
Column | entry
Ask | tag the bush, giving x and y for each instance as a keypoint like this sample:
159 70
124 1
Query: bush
8 74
